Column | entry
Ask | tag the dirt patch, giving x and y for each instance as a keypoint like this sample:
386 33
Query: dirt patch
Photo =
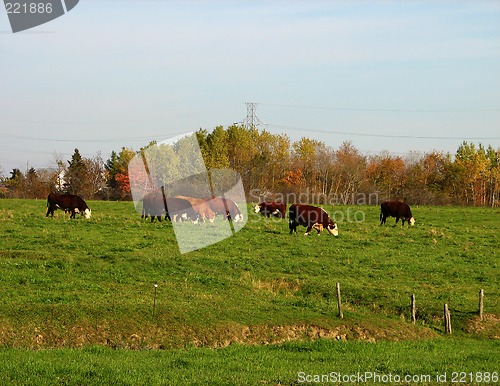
151 336
489 327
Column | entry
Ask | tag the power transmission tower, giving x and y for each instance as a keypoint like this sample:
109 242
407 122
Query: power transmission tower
251 121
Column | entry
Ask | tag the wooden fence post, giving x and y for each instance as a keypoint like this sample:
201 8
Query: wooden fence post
481 304
447 320
154 300
341 314
413 312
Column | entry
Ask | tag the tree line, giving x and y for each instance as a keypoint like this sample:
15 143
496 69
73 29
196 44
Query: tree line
271 165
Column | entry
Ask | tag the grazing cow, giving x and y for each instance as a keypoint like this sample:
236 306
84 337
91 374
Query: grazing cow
179 209
67 202
201 208
228 208
267 209
310 217
397 209
153 205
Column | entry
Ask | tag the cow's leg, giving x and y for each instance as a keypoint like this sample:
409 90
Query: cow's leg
308 230
397 219
73 213
292 226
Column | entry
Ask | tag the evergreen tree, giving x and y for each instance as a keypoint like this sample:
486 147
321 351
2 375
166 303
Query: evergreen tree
76 175
112 170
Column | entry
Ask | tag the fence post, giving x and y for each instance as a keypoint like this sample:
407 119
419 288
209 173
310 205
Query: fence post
413 312
341 314
447 320
481 303
154 300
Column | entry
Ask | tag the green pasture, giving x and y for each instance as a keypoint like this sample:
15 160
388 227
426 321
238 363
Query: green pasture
72 288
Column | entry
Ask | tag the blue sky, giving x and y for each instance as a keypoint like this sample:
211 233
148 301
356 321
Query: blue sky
397 76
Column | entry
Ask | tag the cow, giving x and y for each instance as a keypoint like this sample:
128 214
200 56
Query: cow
153 205
180 209
201 208
267 209
397 209
310 217
67 202
228 208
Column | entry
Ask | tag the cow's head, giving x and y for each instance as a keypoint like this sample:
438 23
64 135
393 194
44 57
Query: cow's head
333 229
256 208
412 221
238 218
87 213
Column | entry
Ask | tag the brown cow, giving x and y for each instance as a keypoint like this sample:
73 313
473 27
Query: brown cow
153 204
310 217
180 209
228 208
397 209
67 202
201 208
267 209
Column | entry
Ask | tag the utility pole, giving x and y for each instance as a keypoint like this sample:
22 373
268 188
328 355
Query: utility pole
251 121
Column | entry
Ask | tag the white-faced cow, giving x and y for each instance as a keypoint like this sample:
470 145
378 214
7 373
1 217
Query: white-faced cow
67 202
310 217
201 208
154 204
267 209
179 209
397 209
226 207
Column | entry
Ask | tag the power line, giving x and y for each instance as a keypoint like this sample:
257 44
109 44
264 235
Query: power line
381 135
360 109
100 140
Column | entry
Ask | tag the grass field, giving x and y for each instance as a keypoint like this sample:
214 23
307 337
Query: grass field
81 293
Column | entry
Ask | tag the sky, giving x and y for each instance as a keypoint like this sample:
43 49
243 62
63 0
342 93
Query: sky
396 76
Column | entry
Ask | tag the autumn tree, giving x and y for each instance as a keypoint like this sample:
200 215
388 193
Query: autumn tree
304 154
218 156
386 173
116 172
471 166
95 181
348 173
492 176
